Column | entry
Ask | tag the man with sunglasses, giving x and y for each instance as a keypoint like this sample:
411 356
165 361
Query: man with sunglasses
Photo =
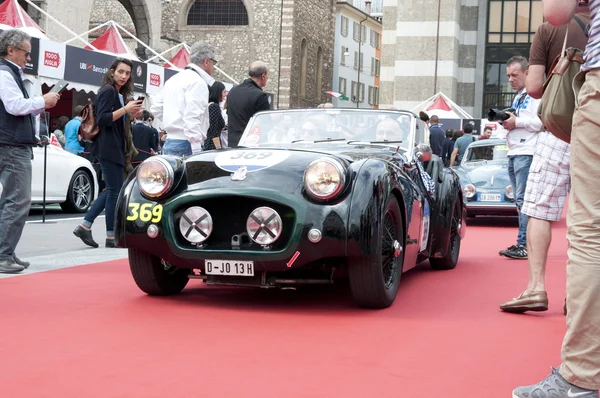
17 136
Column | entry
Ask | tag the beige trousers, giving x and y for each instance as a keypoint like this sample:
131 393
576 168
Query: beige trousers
581 346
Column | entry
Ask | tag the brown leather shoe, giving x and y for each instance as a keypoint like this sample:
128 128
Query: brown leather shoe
536 301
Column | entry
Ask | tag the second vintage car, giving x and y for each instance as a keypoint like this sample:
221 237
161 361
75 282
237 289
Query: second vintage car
310 197
484 178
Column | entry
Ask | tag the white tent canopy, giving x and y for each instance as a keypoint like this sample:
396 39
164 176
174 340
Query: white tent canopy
443 107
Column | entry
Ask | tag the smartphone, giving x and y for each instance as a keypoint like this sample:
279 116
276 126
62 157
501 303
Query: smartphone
59 87
141 98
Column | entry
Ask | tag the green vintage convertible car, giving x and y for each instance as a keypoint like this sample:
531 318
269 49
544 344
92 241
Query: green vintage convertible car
310 197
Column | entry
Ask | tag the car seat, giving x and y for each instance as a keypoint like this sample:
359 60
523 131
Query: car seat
435 168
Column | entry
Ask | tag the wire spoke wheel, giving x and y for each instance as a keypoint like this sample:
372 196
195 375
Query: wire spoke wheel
388 258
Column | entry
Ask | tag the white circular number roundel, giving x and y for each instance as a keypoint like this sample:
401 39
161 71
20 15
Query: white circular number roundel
254 160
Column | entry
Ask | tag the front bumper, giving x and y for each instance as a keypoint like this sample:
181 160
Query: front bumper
491 209
229 211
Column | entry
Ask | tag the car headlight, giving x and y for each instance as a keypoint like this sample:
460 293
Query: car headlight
324 178
469 191
155 177
509 192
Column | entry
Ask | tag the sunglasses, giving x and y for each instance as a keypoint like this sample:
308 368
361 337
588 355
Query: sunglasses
27 53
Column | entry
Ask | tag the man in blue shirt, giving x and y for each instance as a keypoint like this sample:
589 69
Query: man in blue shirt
436 136
461 144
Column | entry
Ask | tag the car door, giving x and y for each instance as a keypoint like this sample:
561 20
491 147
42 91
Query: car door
53 168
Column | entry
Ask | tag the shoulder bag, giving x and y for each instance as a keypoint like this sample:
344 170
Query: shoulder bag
557 105
88 130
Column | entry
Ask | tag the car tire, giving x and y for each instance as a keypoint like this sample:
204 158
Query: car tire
374 281
80 193
450 260
154 277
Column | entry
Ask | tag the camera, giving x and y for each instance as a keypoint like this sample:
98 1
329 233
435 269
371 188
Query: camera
497 115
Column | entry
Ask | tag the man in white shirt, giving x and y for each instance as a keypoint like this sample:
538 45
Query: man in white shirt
185 112
17 136
523 128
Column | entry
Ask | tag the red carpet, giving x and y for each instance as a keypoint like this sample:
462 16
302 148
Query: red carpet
89 332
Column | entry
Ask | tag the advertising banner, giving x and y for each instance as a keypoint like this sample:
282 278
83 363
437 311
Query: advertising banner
31 68
83 66
156 78
52 59
139 73
169 73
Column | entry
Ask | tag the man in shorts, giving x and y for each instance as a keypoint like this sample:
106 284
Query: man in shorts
549 180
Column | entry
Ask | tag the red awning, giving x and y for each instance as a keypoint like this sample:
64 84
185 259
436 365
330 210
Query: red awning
439 104
12 14
181 59
112 42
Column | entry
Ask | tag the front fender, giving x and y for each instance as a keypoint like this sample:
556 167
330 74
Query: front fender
449 192
374 183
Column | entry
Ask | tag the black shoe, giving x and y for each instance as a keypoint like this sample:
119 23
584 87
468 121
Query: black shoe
518 252
110 243
502 252
85 236
24 264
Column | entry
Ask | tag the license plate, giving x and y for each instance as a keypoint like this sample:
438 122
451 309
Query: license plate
229 267
490 197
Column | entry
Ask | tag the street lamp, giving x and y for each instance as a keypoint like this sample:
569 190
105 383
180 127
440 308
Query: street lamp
360 36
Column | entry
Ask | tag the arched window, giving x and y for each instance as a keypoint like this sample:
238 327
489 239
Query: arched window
303 62
218 12
319 89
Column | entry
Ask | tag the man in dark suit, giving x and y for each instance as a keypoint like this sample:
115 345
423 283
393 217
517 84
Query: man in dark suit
436 135
245 100
145 139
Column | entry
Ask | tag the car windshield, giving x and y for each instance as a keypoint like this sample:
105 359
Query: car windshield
487 152
322 125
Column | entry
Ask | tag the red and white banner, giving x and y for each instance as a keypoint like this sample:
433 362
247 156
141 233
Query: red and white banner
155 79
52 59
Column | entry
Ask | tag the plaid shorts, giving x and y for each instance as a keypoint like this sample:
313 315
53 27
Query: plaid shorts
549 180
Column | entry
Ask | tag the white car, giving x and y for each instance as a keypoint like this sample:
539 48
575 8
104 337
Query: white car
70 179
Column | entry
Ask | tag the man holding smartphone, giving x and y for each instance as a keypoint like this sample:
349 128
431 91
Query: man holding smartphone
17 136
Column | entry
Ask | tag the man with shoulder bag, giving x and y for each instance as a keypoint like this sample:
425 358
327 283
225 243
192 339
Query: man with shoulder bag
549 180
579 373
17 137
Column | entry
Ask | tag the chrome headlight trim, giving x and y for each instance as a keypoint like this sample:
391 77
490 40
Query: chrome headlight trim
264 225
469 191
195 224
169 176
509 193
341 177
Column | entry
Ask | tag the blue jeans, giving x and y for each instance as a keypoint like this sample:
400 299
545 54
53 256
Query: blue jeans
113 174
518 170
177 147
15 196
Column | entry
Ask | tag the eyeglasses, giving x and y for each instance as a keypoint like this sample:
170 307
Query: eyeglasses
214 61
27 53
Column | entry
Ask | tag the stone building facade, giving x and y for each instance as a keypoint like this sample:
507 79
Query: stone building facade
294 37
471 40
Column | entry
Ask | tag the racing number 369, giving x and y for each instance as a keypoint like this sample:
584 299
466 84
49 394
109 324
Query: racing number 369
146 212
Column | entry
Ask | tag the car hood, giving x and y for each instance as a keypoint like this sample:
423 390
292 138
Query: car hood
488 175
280 169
